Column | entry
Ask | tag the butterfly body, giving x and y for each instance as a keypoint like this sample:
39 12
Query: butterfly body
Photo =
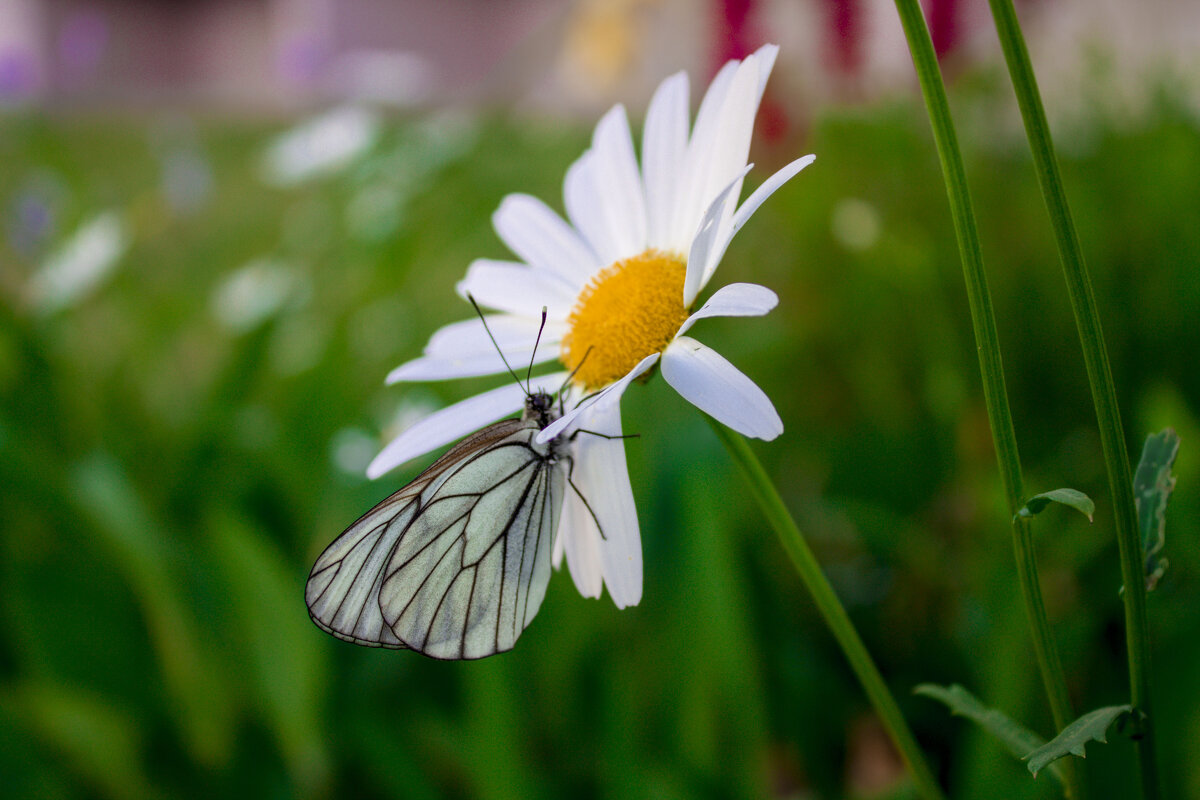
455 564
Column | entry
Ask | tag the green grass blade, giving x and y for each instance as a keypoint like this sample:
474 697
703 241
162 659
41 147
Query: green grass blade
1104 396
991 366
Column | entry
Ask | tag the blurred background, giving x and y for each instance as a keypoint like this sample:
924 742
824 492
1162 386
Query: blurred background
224 222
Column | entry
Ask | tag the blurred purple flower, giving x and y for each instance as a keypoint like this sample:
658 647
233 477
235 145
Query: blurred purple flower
18 75
82 42
35 216
302 59
33 213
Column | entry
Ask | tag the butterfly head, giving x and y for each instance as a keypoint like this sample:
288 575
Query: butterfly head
539 407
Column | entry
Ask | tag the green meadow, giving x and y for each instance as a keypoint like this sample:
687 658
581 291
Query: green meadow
182 435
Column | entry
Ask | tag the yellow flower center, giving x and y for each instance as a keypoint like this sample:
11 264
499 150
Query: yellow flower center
628 311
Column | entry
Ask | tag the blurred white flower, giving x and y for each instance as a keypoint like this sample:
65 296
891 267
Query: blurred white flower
187 180
619 283
321 146
351 449
80 263
254 292
855 224
392 77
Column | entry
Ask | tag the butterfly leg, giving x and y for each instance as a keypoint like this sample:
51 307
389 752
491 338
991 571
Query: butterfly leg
608 436
579 494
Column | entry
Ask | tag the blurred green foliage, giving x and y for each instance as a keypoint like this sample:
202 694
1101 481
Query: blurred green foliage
180 441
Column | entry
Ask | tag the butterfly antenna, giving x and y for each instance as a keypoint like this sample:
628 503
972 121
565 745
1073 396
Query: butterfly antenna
567 381
533 356
493 338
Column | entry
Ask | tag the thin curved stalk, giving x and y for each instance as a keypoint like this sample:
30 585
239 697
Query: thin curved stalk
831 609
991 366
1095 356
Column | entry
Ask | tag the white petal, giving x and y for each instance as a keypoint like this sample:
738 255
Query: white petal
602 478
734 300
586 208
765 61
581 544
707 237
471 336
748 208
727 156
731 143
517 288
539 237
434 368
664 145
690 202
610 394
620 183
456 421
716 387
559 539
463 349
714 98
721 139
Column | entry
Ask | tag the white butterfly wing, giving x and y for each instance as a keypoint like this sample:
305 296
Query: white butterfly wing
471 570
342 592
343 588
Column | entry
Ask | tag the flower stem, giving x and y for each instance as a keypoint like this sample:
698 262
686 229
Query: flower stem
1095 356
991 366
831 608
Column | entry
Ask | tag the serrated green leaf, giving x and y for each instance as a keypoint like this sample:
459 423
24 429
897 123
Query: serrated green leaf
1067 497
1152 487
1092 726
1018 739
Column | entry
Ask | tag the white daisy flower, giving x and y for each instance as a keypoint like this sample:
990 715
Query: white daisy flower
619 281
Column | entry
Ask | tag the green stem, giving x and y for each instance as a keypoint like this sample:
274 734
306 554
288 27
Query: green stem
1095 356
831 608
990 364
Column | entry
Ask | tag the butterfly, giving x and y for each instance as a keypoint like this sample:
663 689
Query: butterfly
455 564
